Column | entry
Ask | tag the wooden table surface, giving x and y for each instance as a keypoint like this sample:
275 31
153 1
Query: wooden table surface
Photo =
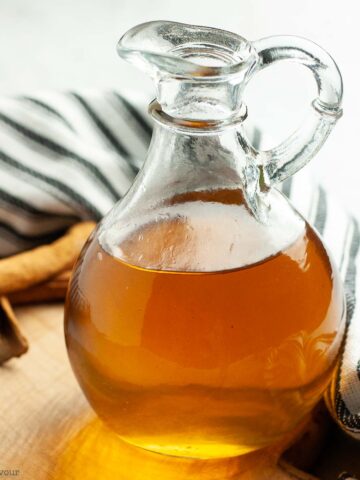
48 431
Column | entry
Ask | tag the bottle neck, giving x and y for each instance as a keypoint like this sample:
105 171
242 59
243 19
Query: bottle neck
204 158
180 161
198 124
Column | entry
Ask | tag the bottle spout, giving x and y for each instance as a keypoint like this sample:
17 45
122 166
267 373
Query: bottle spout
199 72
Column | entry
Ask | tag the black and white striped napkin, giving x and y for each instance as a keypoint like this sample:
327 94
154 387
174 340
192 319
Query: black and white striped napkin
71 156
64 157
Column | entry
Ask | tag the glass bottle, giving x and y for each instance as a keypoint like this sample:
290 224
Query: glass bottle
204 316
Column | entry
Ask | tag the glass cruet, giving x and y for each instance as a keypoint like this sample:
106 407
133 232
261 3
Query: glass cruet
204 316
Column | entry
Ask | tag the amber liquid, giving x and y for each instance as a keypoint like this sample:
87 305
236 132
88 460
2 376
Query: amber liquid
203 364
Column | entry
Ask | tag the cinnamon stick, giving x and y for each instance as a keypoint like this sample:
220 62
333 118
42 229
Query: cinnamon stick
42 263
12 342
52 290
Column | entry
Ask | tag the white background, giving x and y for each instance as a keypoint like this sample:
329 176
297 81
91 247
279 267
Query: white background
70 44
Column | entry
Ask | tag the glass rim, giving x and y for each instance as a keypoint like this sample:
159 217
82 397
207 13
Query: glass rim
171 46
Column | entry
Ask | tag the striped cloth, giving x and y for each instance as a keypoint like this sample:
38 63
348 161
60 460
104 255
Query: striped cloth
71 156
64 157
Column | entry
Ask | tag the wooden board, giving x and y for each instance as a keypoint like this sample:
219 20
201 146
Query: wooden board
48 431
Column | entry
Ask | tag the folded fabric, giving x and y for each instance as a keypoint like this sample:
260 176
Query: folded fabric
71 156
64 157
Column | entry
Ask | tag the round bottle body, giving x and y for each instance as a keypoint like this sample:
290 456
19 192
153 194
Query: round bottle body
183 350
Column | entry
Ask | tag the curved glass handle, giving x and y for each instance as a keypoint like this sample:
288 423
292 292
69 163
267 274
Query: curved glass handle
292 154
